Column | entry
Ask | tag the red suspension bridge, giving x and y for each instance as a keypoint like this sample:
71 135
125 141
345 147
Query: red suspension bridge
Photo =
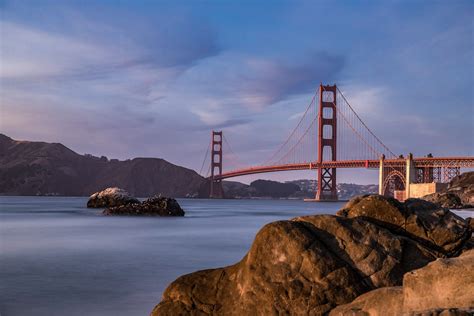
330 135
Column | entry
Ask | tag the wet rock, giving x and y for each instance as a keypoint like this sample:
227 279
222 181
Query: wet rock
443 287
423 221
110 197
155 206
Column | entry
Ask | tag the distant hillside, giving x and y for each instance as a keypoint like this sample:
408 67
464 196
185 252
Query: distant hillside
259 189
38 168
296 189
345 191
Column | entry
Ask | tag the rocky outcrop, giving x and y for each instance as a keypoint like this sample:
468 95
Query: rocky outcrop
110 197
443 287
155 206
433 226
463 186
310 265
459 193
445 199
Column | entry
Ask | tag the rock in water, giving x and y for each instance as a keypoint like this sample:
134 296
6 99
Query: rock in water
155 206
110 197
311 264
443 287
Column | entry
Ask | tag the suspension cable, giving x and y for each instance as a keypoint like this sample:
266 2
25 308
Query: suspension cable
356 132
381 143
301 138
234 155
294 130
204 160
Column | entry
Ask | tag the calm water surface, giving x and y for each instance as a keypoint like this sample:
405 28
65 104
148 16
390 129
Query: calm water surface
59 258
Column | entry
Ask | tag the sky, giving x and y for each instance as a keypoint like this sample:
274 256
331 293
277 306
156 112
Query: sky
131 79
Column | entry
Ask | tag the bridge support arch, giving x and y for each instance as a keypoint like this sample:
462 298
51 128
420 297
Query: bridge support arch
327 190
394 178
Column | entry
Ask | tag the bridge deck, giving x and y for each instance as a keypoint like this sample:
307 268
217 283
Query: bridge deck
462 162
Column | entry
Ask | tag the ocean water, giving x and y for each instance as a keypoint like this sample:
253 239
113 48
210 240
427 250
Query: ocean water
59 258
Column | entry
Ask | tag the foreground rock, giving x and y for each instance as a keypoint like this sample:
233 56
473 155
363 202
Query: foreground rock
443 287
310 265
459 194
155 206
110 197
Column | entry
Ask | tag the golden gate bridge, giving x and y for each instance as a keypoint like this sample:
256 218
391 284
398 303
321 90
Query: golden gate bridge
330 135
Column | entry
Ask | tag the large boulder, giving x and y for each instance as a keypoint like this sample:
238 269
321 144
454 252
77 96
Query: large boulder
154 206
433 226
110 197
311 264
443 287
286 270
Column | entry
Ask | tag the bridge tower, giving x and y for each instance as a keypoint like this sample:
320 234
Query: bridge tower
216 191
327 143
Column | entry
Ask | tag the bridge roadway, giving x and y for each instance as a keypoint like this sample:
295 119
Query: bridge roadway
462 162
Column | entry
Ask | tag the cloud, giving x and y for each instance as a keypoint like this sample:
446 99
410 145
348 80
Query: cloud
262 82
280 80
229 84
365 99
32 53
296 116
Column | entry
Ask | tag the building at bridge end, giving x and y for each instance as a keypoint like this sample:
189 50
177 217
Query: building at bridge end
415 177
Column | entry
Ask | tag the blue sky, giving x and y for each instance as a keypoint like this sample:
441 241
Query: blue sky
153 78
